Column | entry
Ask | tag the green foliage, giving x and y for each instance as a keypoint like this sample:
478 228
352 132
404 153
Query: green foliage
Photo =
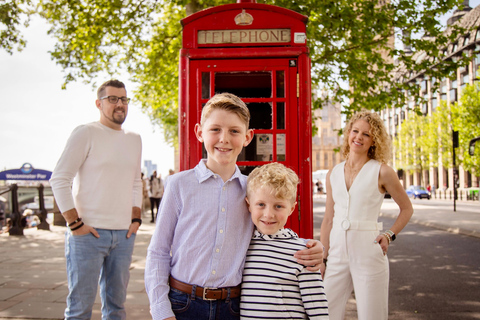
422 138
466 120
11 14
415 142
351 46
441 120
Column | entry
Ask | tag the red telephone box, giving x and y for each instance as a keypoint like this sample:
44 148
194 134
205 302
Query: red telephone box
259 53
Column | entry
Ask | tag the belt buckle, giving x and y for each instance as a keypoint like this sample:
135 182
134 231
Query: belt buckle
345 224
204 295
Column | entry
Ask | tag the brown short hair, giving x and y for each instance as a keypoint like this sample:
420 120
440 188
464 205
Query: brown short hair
380 150
282 180
109 83
228 102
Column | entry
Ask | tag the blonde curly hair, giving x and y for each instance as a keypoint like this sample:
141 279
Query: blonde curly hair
282 180
381 148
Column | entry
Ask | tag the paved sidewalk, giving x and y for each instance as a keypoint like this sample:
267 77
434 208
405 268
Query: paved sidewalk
33 283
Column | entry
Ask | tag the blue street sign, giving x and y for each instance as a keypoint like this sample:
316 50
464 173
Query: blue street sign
26 172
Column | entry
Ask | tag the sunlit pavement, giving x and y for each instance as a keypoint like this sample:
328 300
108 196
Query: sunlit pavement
33 283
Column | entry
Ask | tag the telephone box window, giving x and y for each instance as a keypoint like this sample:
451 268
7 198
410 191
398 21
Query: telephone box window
244 84
246 170
281 147
260 115
280 80
260 149
205 85
280 115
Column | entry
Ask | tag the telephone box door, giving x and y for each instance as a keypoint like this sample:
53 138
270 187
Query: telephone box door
269 88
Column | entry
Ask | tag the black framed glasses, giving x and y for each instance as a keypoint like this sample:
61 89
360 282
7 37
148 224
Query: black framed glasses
114 99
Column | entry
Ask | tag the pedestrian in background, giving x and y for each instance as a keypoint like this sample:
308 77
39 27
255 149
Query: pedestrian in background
102 208
355 255
144 193
156 194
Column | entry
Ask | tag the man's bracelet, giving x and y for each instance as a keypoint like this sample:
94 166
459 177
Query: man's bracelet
76 221
137 220
78 227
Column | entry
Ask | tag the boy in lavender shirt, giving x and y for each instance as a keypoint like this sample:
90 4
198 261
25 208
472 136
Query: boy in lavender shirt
195 259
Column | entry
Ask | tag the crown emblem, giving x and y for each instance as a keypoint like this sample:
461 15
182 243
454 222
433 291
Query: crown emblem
243 19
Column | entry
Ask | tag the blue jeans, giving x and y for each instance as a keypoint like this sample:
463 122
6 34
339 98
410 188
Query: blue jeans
188 307
92 261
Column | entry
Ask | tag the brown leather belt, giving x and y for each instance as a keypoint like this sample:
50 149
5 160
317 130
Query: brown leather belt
206 293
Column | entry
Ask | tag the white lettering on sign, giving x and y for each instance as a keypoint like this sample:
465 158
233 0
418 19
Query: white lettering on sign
244 36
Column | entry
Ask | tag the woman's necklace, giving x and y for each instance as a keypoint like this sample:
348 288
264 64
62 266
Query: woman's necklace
352 172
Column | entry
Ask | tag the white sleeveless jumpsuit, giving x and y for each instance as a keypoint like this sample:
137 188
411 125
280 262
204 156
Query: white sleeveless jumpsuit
355 262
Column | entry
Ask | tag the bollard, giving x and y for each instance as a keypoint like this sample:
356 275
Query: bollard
17 225
43 212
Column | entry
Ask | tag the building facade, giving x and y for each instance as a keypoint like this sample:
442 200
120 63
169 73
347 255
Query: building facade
450 91
326 143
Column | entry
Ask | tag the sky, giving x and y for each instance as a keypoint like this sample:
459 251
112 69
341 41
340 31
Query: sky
37 116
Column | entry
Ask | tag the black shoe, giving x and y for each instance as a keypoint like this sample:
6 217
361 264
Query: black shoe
151 221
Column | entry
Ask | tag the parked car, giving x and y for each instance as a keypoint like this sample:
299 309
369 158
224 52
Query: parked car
417 192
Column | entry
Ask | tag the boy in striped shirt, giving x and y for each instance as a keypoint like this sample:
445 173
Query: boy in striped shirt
274 285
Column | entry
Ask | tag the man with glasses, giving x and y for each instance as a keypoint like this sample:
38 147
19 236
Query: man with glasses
98 188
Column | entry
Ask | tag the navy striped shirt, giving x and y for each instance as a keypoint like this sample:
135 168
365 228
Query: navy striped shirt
275 286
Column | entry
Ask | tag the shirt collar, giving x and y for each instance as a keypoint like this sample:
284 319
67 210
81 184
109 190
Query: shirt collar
203 173
284 233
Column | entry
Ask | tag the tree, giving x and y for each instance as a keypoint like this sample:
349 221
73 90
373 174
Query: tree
417 141
442 133
351 45
11 15
466 120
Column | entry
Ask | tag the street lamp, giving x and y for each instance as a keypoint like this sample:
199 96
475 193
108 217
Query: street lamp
455 172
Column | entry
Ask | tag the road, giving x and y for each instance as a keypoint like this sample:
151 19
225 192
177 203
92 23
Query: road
434 274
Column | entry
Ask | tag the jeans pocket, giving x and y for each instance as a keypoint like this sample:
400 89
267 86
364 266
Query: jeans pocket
234 306
180 301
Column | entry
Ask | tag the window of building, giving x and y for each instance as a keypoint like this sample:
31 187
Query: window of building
434 104
465 80
423 85
325 159
443 91
425 104
454 47
466 40
453 95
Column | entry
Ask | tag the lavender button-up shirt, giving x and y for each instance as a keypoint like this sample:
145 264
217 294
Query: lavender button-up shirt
202 235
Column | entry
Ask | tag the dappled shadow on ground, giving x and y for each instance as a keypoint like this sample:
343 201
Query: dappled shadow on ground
435 275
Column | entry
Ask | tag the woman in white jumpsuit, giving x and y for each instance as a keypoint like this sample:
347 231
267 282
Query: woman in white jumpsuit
355 249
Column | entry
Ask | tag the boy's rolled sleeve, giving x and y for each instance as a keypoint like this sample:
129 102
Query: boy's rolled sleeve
157 266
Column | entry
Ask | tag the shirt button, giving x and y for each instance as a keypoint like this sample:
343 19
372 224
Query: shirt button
213 272
224 188
223 209
221 231
217 250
